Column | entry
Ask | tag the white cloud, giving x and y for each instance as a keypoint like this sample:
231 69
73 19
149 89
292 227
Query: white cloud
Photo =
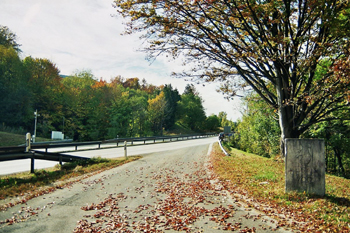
31 13
82 34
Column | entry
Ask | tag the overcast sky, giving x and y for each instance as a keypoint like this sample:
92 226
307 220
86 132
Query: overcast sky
82 35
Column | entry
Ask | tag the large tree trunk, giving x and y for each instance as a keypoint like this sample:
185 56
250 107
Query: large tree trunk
338 153
286 125
286 115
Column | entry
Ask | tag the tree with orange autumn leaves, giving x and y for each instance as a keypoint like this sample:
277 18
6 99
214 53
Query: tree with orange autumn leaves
272 47
156 111
81 106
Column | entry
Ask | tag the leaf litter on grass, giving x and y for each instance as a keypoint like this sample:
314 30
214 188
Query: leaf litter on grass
247 175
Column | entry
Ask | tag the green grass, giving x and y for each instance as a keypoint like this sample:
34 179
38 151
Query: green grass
267 176
46 180
263 179
11 139
178 129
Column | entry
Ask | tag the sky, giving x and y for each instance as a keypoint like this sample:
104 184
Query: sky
81 35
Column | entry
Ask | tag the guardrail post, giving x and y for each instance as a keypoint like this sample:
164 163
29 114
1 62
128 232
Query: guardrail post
28 142
61 160
125 152
76 147
32 160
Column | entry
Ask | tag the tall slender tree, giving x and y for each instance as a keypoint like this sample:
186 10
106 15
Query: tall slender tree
172 96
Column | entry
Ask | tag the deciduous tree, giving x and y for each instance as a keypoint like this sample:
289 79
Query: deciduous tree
256 44
212 123
156 112
15 96
258 130
190 110
8 39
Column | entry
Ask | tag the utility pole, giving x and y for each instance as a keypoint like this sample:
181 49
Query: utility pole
36 119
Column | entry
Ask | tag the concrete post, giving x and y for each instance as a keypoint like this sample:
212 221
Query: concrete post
28 138
125 151
305 166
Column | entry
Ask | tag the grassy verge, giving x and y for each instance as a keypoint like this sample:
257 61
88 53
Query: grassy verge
11 139
259 182
26 185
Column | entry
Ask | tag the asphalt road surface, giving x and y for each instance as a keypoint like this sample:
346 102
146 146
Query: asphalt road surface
166 191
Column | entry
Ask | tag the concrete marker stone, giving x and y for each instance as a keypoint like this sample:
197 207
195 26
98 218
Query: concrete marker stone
305 166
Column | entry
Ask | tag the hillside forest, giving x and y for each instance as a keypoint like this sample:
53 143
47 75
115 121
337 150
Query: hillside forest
85 108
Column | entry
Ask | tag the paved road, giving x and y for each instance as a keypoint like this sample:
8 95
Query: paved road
169 191
23 165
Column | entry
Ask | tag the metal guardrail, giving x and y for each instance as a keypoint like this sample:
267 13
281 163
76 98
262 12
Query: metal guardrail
15 153
118 141
12 153
18 152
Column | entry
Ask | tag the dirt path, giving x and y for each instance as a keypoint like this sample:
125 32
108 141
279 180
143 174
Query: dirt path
168 191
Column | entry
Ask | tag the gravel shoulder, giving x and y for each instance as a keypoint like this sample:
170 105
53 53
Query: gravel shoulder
165 191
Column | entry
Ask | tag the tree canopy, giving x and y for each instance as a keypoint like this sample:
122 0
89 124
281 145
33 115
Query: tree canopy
8 39
277 48
85 108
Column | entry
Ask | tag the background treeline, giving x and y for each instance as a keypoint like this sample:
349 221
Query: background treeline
258 132
85 108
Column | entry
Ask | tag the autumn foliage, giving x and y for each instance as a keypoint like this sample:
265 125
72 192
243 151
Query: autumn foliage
275 48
